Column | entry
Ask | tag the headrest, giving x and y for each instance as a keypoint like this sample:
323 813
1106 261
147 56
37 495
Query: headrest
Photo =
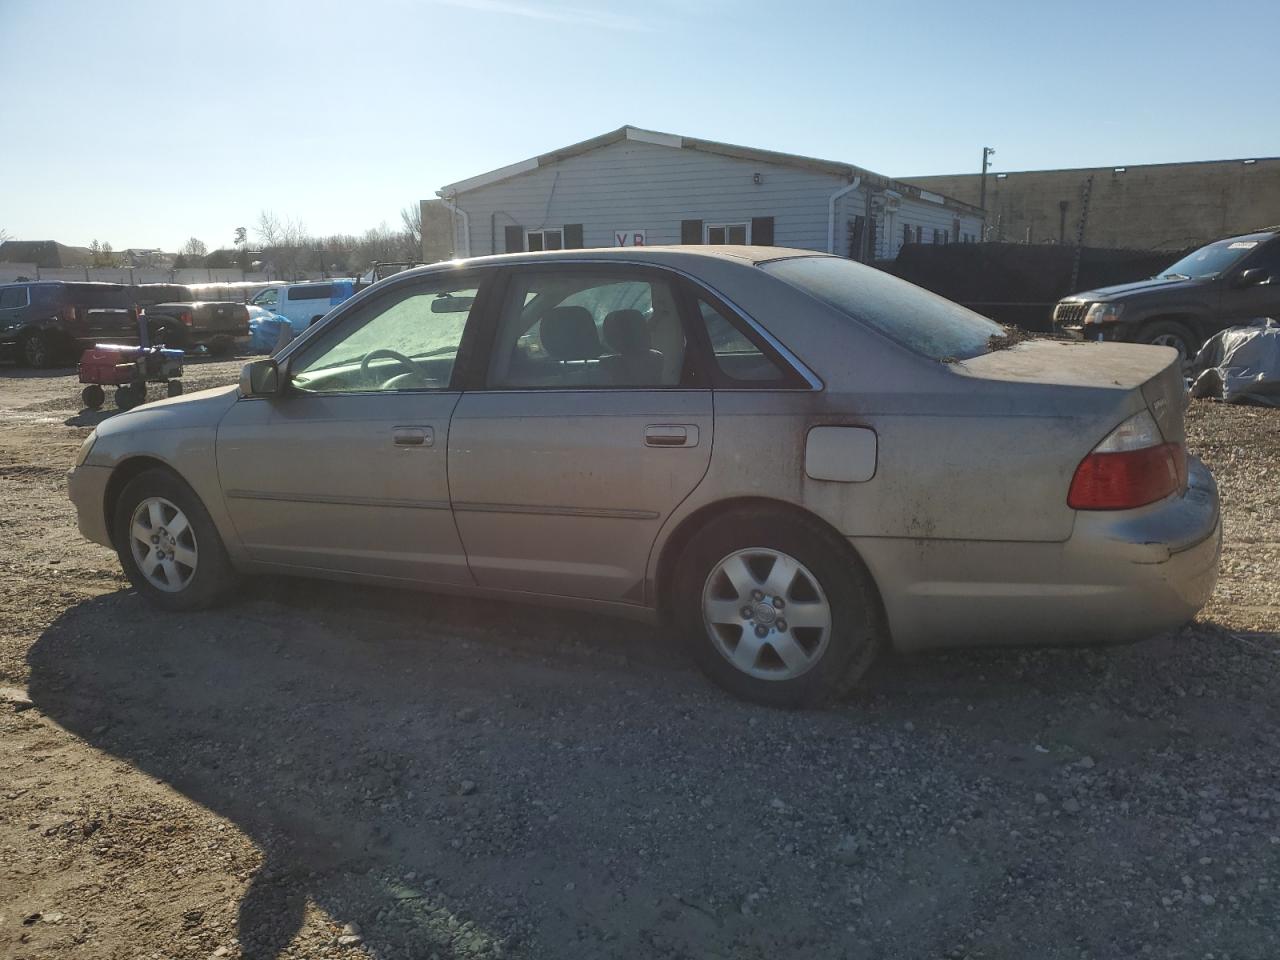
569 333
626 332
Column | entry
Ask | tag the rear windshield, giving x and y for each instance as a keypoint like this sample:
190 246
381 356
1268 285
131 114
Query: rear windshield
917 319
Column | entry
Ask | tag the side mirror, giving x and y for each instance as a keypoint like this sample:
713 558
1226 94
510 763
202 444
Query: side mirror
1253 276
261 378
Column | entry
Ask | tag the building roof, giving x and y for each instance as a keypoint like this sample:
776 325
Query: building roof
1104 168
44 253
846 171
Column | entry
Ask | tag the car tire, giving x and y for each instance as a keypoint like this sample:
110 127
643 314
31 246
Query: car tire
168 545
1171 333
729 591
314 320
222 347
37 350
93 397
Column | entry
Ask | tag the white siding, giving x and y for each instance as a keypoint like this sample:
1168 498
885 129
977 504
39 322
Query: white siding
632 185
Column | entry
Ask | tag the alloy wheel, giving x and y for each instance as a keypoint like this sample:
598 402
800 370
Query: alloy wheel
163 544
766 613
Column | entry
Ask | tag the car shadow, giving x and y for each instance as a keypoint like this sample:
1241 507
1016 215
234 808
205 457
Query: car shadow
457 777
90 418
10 371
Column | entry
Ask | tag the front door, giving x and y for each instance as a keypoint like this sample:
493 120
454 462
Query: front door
1259 298
345 471
589 430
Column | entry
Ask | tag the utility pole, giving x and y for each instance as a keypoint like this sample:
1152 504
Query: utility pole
987 154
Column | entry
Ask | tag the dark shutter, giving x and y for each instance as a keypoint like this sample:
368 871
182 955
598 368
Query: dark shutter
762 231
690 231
573 236
515 239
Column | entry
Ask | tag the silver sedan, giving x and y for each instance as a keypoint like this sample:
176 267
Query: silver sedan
796 459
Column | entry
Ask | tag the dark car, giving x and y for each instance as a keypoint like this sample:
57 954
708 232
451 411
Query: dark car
177 317
1223 284
44 323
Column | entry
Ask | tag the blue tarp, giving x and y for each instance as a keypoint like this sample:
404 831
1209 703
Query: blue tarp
264 332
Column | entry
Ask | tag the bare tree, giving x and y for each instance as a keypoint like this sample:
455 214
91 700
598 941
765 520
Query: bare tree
268 229
411 217
195 248
5 235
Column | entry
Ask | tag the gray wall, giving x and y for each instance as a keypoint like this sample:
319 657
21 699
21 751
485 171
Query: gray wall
633 185
12 271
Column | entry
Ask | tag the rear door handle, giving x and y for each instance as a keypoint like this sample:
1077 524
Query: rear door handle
412 436
671 435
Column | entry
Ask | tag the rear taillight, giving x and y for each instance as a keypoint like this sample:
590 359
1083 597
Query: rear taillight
185 317
69 314
1131 467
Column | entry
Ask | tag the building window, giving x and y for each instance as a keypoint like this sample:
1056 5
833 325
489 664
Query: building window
906 233
735 233
919 234
544 240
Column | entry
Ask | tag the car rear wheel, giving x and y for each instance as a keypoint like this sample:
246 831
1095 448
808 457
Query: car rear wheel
130 395
168 545
1171 333
778 610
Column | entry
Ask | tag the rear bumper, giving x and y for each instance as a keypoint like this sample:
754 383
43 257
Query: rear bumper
87 488
1122 576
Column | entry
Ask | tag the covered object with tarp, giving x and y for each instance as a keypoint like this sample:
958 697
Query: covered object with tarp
1240 365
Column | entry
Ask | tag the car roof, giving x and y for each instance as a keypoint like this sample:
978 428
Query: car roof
678 256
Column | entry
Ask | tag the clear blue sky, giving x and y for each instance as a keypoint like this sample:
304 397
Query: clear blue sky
146 123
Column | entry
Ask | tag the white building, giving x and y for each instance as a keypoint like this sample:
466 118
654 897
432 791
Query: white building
635 186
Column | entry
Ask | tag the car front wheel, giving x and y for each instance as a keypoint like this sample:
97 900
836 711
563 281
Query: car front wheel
1170 333
778 610
168 545
38 350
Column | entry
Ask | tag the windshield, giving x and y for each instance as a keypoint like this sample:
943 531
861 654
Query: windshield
1211 260
917 319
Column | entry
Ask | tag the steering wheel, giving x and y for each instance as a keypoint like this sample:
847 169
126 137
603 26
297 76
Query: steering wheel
400 358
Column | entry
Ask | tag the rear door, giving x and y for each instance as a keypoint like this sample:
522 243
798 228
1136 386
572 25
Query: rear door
588 428
13 306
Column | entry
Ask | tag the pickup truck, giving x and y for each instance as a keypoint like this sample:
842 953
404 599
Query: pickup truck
45 323
176 318
1223 284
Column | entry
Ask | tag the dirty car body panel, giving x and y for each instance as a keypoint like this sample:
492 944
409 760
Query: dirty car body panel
948 476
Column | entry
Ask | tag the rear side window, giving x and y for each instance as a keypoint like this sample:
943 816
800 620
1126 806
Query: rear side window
11 297
99 296
921 321
738 359
311 291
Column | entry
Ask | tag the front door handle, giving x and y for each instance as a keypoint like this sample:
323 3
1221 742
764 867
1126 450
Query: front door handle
671 435
412 436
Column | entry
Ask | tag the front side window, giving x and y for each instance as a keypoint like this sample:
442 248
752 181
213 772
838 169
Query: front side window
575 330
405 340
267 298
545 240
11 297
919 320
735 233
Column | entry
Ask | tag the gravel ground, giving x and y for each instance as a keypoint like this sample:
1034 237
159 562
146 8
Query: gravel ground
328 771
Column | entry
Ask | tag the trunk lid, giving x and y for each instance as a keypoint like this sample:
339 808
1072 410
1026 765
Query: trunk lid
1074 376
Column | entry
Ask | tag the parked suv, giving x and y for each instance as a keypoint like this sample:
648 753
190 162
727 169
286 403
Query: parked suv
177 318
1224 284
44 323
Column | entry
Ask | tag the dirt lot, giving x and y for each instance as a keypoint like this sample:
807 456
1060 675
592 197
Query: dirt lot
321 771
